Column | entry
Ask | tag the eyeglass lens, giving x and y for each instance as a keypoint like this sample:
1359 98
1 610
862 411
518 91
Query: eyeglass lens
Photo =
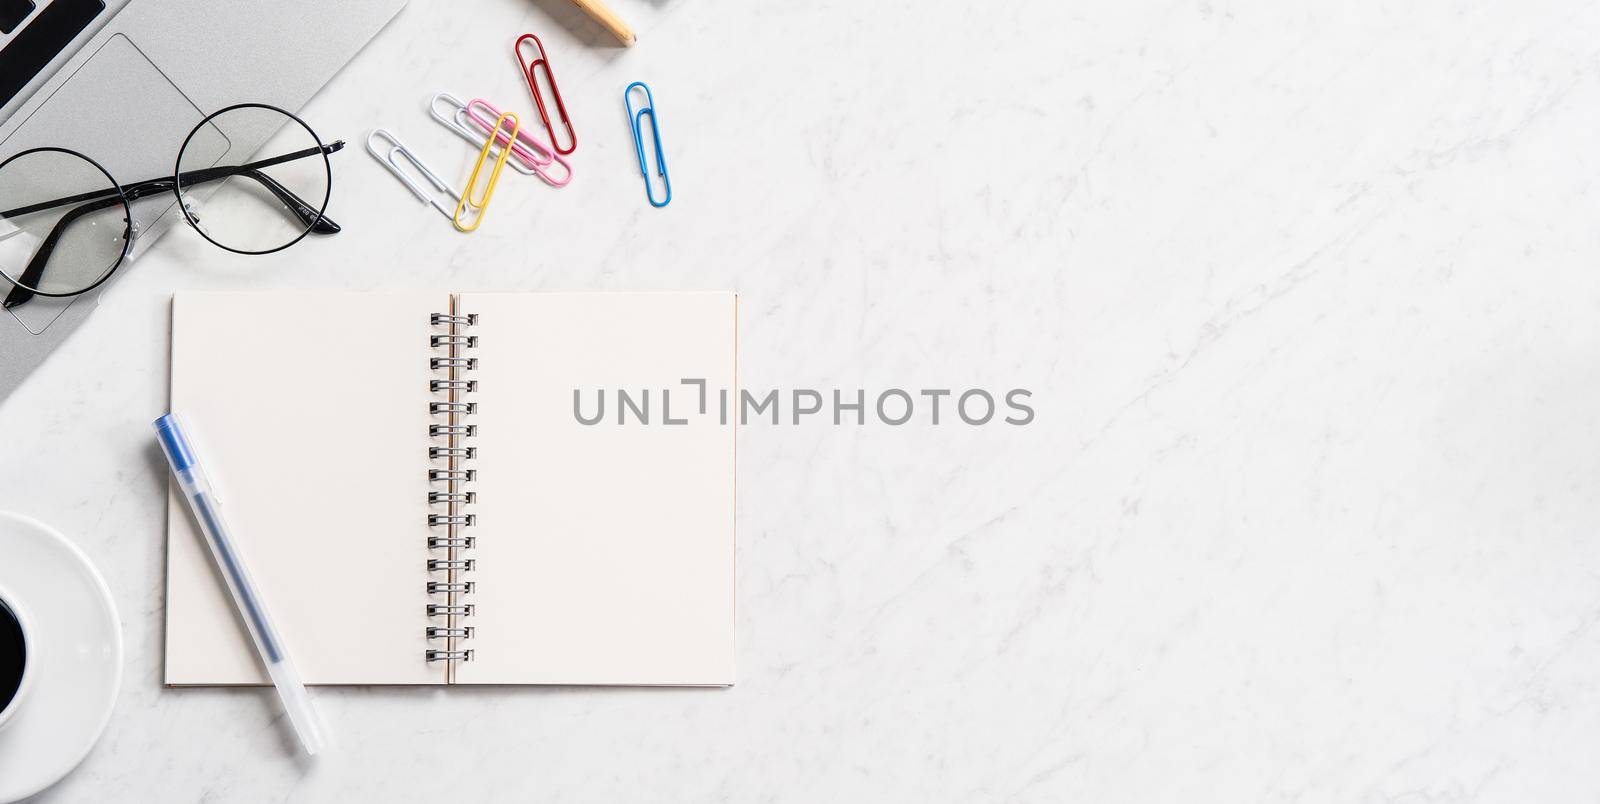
265 200
63 224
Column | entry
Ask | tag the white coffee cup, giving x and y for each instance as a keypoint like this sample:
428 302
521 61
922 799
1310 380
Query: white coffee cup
20 614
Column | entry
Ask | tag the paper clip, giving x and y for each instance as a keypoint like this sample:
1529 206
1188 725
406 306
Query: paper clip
527 149
529 156
478 208
637 119
398 150
528 72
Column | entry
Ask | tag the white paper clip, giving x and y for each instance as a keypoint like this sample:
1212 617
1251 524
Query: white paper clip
398 150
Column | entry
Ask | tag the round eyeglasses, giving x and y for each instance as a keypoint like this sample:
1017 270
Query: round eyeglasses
66 224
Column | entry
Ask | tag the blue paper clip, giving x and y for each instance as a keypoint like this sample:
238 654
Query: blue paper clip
637 119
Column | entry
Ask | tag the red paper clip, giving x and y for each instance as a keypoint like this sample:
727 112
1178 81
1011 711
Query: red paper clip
528 68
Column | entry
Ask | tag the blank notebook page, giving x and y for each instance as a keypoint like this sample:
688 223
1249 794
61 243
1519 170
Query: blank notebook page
605 553
311 413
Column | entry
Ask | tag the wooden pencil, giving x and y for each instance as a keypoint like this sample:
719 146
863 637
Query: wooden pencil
608 19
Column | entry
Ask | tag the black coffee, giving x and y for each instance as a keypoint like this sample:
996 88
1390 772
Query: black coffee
13 654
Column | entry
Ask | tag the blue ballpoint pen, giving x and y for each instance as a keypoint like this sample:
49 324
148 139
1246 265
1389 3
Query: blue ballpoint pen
197 489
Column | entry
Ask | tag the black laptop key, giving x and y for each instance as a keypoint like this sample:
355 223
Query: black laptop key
50 32
12 13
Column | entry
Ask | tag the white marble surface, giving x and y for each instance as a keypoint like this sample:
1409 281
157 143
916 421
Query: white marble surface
1308 301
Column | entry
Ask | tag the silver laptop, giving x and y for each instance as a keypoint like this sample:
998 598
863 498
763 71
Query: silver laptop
123 82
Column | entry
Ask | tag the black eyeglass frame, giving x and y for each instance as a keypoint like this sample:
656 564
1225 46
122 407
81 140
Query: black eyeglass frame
327 193
314 219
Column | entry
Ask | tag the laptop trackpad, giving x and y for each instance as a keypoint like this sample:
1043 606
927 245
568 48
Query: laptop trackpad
120 111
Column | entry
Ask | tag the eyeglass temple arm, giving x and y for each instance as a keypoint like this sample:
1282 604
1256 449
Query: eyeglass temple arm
41 257
308 215
294 204
192 177
320 224
35 270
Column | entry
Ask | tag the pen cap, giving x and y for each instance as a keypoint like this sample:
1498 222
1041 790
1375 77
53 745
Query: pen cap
173 442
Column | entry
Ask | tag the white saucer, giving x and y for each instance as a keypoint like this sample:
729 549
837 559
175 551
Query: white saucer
78 655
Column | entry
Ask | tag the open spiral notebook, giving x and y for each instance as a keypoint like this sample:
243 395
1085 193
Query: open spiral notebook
419 504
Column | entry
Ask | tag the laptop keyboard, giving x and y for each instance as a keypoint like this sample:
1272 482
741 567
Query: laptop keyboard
12 13
47 34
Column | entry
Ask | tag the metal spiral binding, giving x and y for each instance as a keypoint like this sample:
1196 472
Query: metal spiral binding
448 517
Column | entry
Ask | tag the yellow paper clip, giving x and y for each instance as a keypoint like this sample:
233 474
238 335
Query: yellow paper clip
476 208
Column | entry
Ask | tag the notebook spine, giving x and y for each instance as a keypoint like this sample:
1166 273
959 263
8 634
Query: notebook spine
449 584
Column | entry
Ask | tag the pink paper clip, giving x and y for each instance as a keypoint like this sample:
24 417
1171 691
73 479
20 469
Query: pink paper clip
527 150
